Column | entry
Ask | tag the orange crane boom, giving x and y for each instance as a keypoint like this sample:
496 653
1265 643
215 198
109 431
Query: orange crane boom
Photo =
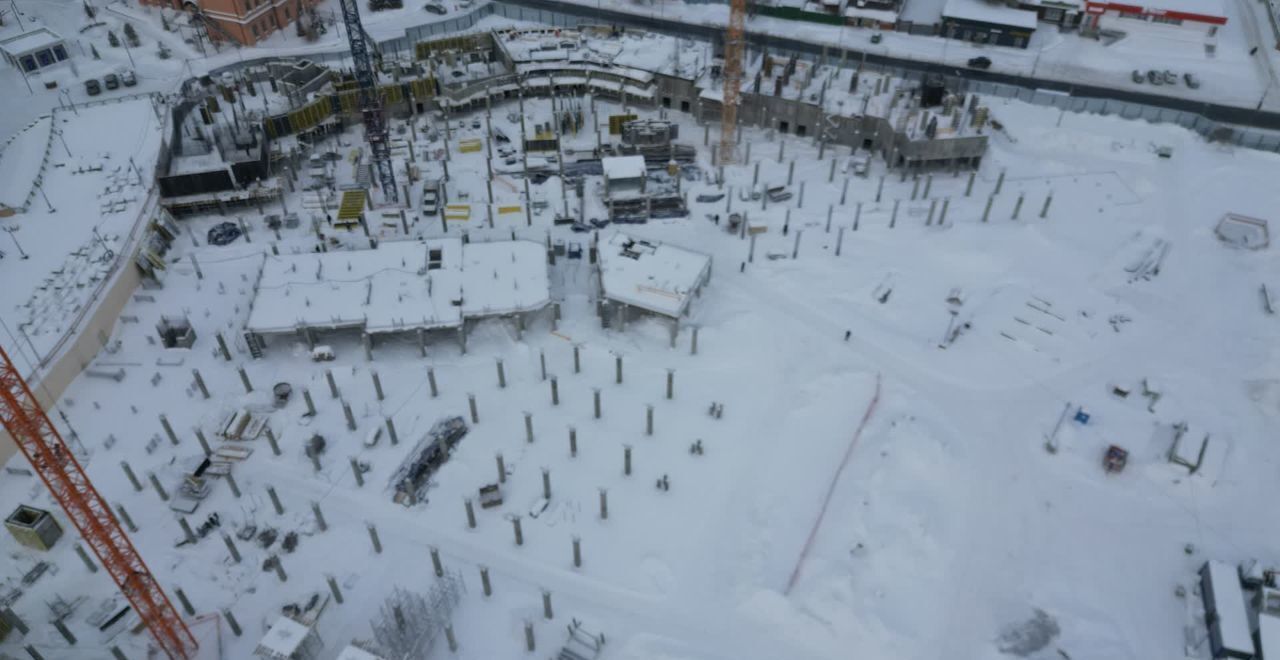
62 474
734 42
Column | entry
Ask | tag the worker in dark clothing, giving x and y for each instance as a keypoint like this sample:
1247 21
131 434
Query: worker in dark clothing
848 334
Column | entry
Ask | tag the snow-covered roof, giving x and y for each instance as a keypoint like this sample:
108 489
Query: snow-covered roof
1228 598
651 275
1268 635
283 639
986 12
399 286
353 652
1205 8
503 277
27 42
881 15
617 168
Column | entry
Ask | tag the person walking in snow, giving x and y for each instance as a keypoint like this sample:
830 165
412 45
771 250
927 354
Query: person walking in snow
847 334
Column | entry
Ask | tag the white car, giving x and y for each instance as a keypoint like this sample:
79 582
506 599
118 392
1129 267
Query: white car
430 199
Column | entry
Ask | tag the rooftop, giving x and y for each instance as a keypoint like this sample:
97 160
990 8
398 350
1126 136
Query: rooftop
399 286
985 12
650 275
284 637
30 41
623 167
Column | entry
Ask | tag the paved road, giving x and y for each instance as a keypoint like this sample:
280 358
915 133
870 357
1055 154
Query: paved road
1216 112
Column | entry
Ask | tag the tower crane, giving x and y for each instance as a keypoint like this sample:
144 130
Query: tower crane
28 425
734 43
375 122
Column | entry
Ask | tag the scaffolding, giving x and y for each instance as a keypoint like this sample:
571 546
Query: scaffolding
409 623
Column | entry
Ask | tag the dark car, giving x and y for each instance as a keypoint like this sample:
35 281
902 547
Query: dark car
436 9
223 233
111 80
92 87
980 62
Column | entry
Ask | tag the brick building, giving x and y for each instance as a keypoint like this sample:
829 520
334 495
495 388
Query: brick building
245 21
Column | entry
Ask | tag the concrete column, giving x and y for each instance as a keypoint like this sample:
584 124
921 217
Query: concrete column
155 483
275 500
391 432
204 391
528 636
471 402
502 469
231 548
626 460
244 379
333 385
133 478
187 532
471 513
987 211
528 427
128 519
373 538
595 393
271 439
577 552
555 392
84 557
546 605
515 527
604 504
431 380
333 589
377 384
502 376
485 586
231 483
618 369
435 561
648 420
186 603
232 623
355 471
1017 206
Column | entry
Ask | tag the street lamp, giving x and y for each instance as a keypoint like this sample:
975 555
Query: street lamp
11 230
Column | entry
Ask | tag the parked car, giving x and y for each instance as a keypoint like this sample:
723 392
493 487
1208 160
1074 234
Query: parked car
112 81
1192 81
128 78
1170 78
430 198
438 10
1138 77
223 233
92 87
980 62
1155 77
876 37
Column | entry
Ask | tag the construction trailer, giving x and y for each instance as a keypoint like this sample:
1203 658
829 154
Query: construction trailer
1225 613
34 528
288 639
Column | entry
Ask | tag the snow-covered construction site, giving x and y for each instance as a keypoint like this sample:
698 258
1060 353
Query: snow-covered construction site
507 345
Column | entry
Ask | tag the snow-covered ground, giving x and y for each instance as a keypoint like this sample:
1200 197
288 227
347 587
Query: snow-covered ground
875 496
88 188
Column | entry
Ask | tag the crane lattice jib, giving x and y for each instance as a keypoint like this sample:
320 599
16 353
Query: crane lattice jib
375 125
62 474
734 43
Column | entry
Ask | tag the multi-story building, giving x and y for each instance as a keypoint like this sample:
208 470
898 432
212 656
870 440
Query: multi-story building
244 21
